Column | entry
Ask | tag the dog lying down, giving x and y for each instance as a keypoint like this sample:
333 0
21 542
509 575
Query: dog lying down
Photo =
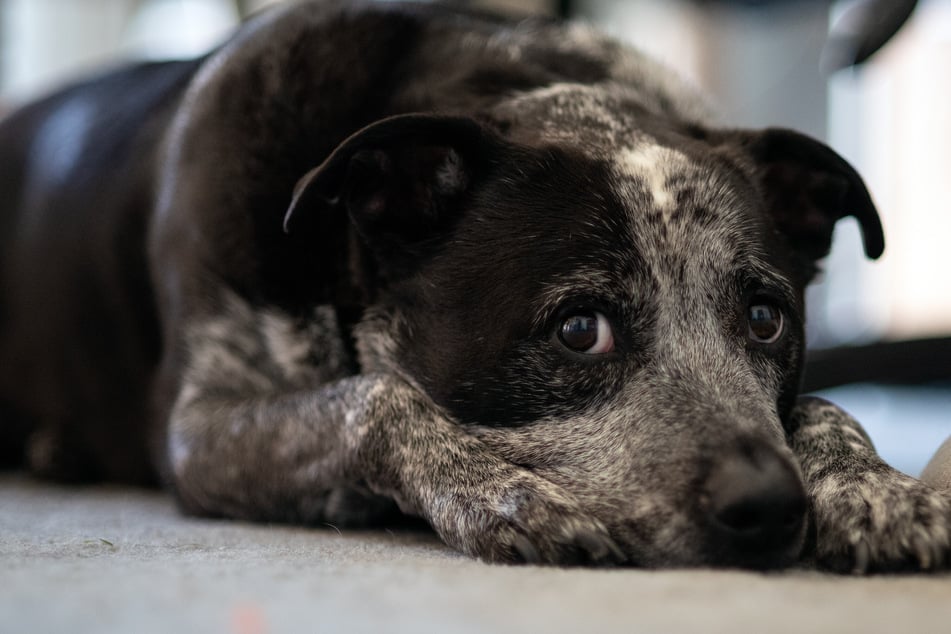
504 276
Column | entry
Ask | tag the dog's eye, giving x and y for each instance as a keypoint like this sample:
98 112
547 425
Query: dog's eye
587 332
765 322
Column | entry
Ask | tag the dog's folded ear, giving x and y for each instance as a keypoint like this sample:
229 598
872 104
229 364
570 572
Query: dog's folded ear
397 178
807 188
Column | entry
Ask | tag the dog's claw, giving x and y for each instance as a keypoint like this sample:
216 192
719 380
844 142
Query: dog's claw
923 552
578 545
600 548
931 555
585 547
860 557
526 550
523 517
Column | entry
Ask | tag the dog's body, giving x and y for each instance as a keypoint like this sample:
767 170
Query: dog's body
527 293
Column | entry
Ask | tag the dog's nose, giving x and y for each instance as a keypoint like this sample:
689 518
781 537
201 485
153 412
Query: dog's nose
757 506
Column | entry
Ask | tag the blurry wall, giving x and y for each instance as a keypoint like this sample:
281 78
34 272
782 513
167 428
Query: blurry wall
44 43
893 119
758 64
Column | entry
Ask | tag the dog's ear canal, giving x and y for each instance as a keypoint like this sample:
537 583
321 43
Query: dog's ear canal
397 179
808 187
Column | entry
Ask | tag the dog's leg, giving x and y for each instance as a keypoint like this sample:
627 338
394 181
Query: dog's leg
867 515
246 442
286 452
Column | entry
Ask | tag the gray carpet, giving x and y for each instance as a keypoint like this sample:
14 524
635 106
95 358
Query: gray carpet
107 559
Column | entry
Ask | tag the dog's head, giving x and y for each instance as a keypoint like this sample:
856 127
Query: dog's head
612 300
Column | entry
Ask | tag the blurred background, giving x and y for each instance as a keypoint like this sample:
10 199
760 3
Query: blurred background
882 328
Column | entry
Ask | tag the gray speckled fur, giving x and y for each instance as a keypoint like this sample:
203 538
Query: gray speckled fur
299 378
867 514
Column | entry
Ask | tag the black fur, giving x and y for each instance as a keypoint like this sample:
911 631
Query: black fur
325 271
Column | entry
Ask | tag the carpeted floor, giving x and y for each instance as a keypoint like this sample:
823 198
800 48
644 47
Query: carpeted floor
108 559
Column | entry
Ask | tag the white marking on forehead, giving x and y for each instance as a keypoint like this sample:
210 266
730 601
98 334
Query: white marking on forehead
593 103
591 119
652 164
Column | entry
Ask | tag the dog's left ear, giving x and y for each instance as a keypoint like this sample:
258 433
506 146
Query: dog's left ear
396 179
807 188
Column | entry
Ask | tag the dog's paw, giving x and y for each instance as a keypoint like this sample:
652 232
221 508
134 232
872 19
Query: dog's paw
881 521
525 519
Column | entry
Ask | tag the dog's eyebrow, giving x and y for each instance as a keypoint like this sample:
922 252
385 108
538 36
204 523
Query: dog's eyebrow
589 285
751 273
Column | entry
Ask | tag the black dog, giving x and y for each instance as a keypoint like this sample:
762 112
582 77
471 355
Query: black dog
528 293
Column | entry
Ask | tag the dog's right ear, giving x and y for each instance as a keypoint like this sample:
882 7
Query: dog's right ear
396 178
807 188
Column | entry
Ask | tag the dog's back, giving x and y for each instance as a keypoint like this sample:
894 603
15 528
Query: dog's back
78 330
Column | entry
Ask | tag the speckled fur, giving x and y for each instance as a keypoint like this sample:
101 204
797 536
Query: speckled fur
461 182
868 516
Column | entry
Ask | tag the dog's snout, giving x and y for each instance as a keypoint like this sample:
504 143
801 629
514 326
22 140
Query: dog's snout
757 505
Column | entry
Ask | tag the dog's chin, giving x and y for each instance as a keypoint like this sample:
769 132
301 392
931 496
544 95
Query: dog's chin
769 551
707 549
754 559
721 559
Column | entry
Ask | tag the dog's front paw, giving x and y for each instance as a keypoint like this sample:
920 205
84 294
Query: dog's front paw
524 518
881 521
476 500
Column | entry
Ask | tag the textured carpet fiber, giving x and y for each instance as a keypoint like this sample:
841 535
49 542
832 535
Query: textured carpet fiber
107 559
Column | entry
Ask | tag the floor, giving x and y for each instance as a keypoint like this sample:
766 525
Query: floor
108 559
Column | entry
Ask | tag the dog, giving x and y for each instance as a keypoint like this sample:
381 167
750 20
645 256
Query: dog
503 275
